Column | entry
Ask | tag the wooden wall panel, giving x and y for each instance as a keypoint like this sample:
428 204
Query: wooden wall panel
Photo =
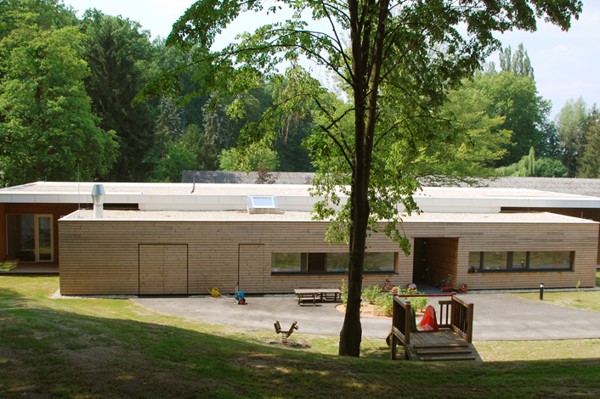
252 268
101 256
175 265
152 269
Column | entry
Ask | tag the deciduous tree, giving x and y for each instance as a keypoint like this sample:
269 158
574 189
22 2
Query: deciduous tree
47 128
570 124
416 49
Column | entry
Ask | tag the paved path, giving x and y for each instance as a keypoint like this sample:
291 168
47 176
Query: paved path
497 316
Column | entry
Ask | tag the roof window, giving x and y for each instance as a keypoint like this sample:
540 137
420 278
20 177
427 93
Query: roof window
262 204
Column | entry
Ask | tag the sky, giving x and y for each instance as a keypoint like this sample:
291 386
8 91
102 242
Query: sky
566 64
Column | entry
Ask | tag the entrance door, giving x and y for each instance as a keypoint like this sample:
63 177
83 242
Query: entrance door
163 269
251 265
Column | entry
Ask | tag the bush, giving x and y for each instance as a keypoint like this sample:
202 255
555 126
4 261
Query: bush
371 294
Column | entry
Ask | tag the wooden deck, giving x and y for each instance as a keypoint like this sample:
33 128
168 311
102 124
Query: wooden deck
453 341
440 346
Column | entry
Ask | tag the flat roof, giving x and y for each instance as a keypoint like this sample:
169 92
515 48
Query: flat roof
242 216
291 197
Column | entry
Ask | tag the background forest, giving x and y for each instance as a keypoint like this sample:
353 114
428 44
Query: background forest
93 98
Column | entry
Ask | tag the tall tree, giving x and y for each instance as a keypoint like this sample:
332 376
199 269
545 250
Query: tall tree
589 163
47 129
118 53
413 49
517 63
514 97
475 139
571 125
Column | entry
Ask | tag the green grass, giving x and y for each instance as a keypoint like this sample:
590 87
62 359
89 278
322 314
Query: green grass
584 300
111 348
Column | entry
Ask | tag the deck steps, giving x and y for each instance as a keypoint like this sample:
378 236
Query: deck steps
450 352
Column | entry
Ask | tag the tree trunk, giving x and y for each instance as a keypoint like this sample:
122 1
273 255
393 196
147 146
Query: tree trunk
367 53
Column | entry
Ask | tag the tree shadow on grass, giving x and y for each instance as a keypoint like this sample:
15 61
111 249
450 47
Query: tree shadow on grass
50 353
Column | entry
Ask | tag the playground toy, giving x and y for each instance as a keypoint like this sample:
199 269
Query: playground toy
285 334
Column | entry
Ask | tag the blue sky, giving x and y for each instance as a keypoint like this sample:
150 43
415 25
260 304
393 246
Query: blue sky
566 64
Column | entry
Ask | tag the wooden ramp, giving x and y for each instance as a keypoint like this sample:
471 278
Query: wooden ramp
444 345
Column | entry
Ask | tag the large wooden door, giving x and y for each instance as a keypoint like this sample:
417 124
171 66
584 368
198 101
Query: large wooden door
163 269
251 273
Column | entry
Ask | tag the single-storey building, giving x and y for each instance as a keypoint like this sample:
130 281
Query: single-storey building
146 238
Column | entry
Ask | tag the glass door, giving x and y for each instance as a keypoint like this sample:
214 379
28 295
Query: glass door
30 237
44 247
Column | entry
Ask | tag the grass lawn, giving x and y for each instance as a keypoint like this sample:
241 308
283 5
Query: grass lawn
113 348
584 300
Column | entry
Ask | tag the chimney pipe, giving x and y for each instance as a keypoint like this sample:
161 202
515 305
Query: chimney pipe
98 198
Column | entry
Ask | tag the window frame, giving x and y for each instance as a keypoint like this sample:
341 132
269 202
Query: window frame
36 236
305 269
524 266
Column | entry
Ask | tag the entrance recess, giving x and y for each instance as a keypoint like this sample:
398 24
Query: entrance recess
435 259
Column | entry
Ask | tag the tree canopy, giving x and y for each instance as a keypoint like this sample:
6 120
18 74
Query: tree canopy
47 128
384 52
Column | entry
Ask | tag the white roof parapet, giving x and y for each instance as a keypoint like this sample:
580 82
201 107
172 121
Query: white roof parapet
291 197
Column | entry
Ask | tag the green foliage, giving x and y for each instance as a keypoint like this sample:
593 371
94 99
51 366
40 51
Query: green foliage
47 129
119 56
252 158
401 60
474 141
517 63
589 165
370 294
531 166
571 125
514 97
177 159
8 265
384 299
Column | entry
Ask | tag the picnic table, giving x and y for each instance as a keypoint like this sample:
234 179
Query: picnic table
317 294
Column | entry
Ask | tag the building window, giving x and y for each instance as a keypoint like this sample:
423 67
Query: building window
559 260
320 262
521 260
29 237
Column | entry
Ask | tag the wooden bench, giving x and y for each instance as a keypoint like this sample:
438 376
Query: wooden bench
317 294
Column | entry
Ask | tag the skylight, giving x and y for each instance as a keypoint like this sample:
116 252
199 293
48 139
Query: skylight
262 204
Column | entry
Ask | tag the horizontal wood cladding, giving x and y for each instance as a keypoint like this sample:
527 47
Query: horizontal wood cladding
101 256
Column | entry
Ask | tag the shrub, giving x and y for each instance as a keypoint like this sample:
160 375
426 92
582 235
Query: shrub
344 294
372 294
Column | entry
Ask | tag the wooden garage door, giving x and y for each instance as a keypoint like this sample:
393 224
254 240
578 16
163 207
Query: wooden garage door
251 273
163 269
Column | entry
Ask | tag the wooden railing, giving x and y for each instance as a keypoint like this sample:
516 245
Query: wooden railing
401 324
444 314
454 314
462 319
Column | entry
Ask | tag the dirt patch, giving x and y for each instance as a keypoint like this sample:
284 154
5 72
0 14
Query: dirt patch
366 310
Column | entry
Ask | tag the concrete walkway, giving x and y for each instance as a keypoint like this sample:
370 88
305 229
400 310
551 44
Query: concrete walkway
497 316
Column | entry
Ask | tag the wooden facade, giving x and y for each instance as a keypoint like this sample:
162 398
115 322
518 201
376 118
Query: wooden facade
138 256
